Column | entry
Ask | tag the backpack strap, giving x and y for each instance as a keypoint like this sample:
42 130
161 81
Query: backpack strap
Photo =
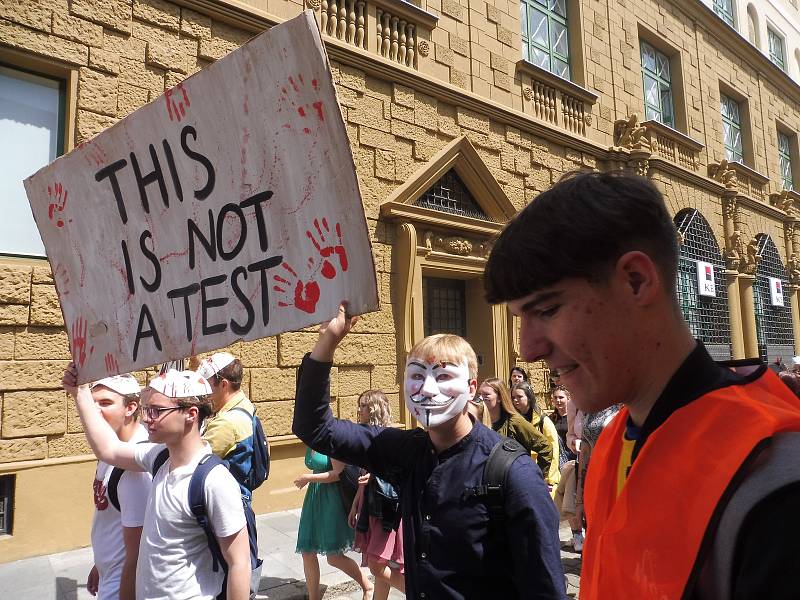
159 461
197 503
111 489
116 475
495 474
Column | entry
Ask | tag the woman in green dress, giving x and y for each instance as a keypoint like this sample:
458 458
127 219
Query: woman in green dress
323 525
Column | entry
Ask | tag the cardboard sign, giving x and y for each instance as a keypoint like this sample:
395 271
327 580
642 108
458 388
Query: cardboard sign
705 279
776 291
226 209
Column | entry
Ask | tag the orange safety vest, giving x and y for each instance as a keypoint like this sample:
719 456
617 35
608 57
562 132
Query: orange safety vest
644 543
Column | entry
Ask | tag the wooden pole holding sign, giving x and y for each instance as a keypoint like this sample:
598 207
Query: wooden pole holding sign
226 209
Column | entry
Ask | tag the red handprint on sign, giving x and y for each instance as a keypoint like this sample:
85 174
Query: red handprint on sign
305 294
328 249
176 109
79 341
58 195
303 109
112 367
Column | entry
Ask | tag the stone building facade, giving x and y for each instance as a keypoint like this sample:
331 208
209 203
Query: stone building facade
459 112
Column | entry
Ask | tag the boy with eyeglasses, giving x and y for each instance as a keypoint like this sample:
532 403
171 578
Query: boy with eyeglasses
174 556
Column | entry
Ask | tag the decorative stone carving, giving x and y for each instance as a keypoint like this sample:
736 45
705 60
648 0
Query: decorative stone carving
729 209
587 118
628 133
736 251
423 48
313 4
752 258
681 238
783 201
458 246
527 92
794 269
640 166
722 173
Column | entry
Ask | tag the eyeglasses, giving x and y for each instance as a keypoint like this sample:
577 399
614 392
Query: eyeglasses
154 413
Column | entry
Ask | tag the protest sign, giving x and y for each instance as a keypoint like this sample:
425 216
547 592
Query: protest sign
226 209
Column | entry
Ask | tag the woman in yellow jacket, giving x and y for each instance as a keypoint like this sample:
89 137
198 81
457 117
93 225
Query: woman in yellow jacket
524 401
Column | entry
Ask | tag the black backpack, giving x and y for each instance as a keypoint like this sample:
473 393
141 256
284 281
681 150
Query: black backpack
197 502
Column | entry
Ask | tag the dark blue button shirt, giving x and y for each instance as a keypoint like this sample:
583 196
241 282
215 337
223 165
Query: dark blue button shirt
448 547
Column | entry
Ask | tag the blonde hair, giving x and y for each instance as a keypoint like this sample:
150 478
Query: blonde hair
501 389
377 404
446 347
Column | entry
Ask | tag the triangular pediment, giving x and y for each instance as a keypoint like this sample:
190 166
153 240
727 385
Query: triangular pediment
454 189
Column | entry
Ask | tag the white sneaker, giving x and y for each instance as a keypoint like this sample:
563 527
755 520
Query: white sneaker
577 542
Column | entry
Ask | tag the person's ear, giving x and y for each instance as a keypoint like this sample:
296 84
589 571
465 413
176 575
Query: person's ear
192 414
473 387
131 408
639 277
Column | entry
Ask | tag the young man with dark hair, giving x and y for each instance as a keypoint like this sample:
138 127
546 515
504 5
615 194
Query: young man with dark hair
174 556
694 487
453 547
120 499
229 431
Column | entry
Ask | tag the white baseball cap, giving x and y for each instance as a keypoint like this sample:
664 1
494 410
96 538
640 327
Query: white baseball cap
180 384
122 384
213 365
796 360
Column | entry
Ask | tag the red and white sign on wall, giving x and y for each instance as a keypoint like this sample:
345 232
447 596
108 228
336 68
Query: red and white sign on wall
226 209
705 279
776 291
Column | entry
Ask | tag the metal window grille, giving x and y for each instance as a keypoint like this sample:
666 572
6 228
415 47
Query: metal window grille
450 195
545 40
731 128
657 81
776 51
6 503
444 306
773 323
707 317
785 159
724 10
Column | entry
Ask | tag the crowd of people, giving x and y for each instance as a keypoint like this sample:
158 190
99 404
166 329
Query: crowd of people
467 506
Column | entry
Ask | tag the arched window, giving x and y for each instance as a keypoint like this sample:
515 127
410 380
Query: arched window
773 320
753 33
707 315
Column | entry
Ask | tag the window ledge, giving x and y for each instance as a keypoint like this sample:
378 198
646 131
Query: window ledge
563 85
413 13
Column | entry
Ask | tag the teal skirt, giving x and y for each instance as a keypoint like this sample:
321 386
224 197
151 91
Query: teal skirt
323 521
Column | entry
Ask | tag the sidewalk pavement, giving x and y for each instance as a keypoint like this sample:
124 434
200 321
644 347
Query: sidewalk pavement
63 576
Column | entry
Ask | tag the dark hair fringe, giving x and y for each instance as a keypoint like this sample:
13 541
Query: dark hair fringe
578 229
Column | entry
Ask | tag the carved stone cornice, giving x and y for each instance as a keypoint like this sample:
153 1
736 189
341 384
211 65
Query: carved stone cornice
456 245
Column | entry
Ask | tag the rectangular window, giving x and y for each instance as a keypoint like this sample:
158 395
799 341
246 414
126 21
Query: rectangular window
444 306
31 136
731 129
776 50
785 159
545 41
6 504
724 10
657 82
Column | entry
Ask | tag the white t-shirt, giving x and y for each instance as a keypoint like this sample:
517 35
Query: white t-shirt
174 559
107 544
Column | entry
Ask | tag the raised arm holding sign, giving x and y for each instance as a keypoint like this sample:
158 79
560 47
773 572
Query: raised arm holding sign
227 209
